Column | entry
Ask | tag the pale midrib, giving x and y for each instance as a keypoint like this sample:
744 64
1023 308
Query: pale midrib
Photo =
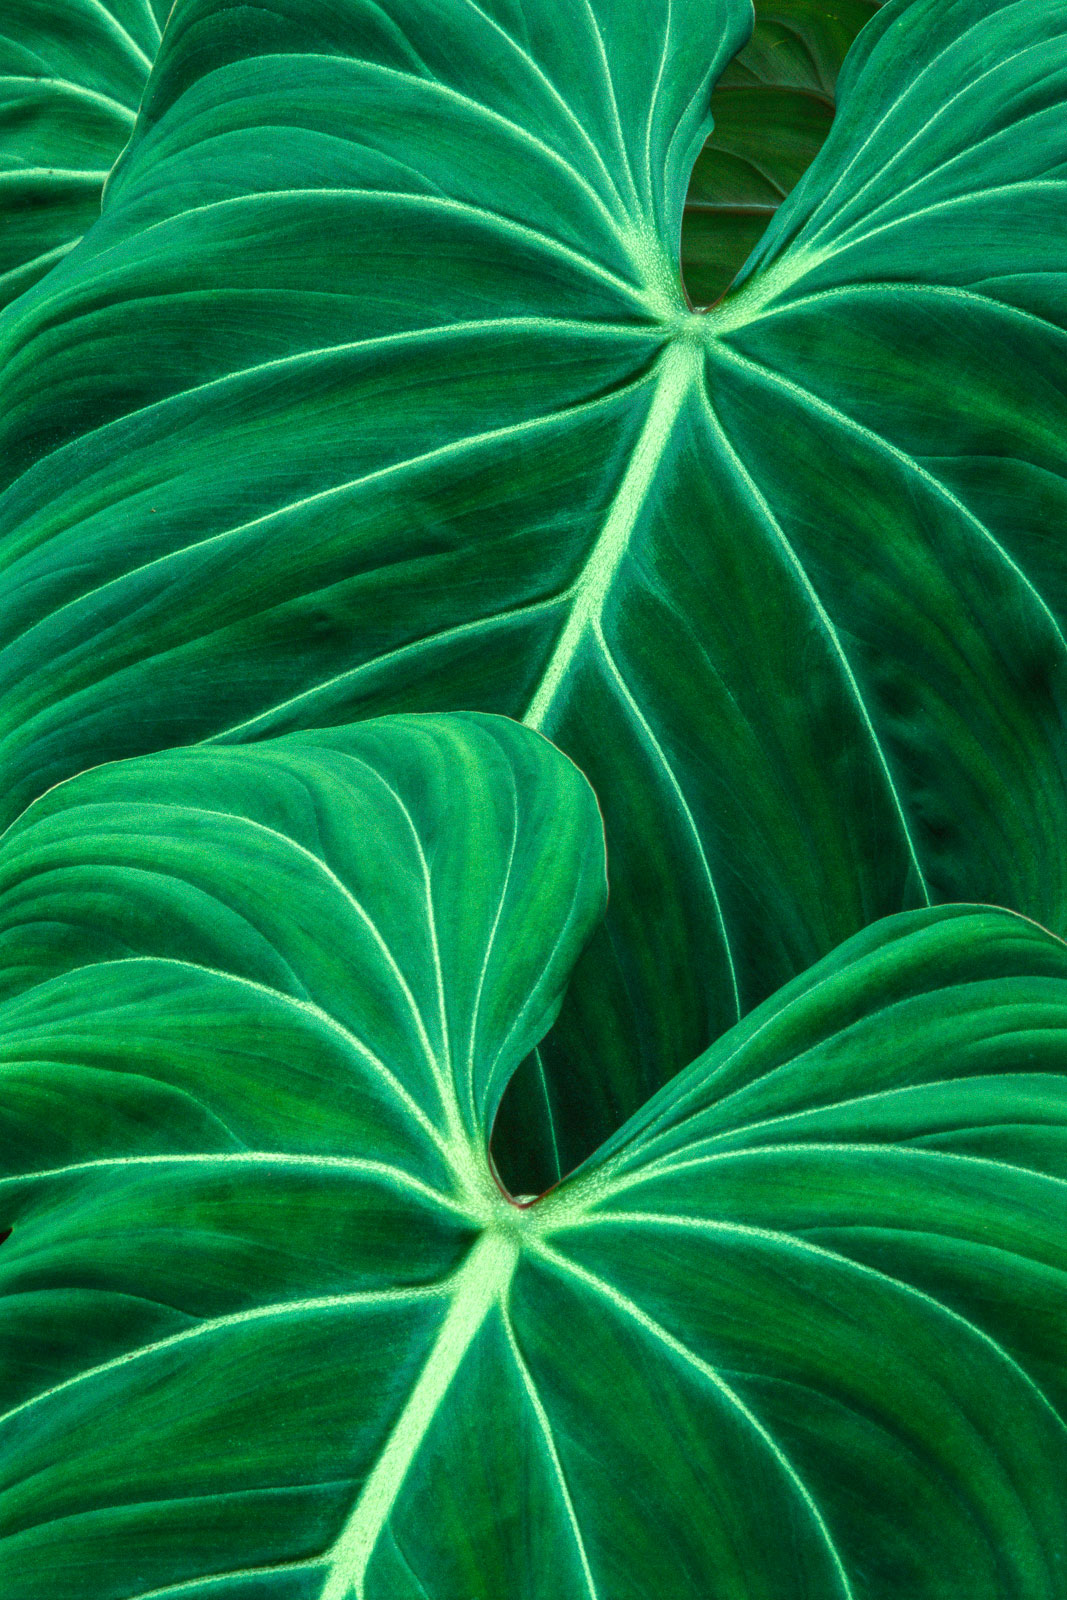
482 1282
678 370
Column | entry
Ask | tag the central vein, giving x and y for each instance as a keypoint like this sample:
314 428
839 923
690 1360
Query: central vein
482 1281
678 369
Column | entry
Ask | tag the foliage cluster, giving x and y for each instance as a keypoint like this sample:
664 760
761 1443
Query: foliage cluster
396 544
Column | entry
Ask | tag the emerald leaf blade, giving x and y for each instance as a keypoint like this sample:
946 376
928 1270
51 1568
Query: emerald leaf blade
70 83
817 1287
322 421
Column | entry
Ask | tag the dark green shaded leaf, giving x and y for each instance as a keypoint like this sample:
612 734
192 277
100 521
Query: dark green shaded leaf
798 1333
772 110
71 77
375 388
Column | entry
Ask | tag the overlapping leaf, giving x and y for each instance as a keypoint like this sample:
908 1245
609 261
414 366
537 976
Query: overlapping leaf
71 77
258 1008
375 388
772 110
798 1333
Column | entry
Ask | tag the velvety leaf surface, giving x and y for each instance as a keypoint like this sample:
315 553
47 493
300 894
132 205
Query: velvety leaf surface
71 77
798 1333
375 388
258 1009
772 110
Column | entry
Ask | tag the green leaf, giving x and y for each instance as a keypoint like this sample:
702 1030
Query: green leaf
380 894
375 389
71 77
772 110
797 1333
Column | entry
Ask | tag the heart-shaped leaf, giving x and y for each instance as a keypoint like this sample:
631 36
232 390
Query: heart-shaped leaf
797 1333
772 109
375 388
71 77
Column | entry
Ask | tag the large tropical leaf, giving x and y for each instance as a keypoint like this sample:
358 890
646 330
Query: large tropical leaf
772 109
71 77
798 1333
375 387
